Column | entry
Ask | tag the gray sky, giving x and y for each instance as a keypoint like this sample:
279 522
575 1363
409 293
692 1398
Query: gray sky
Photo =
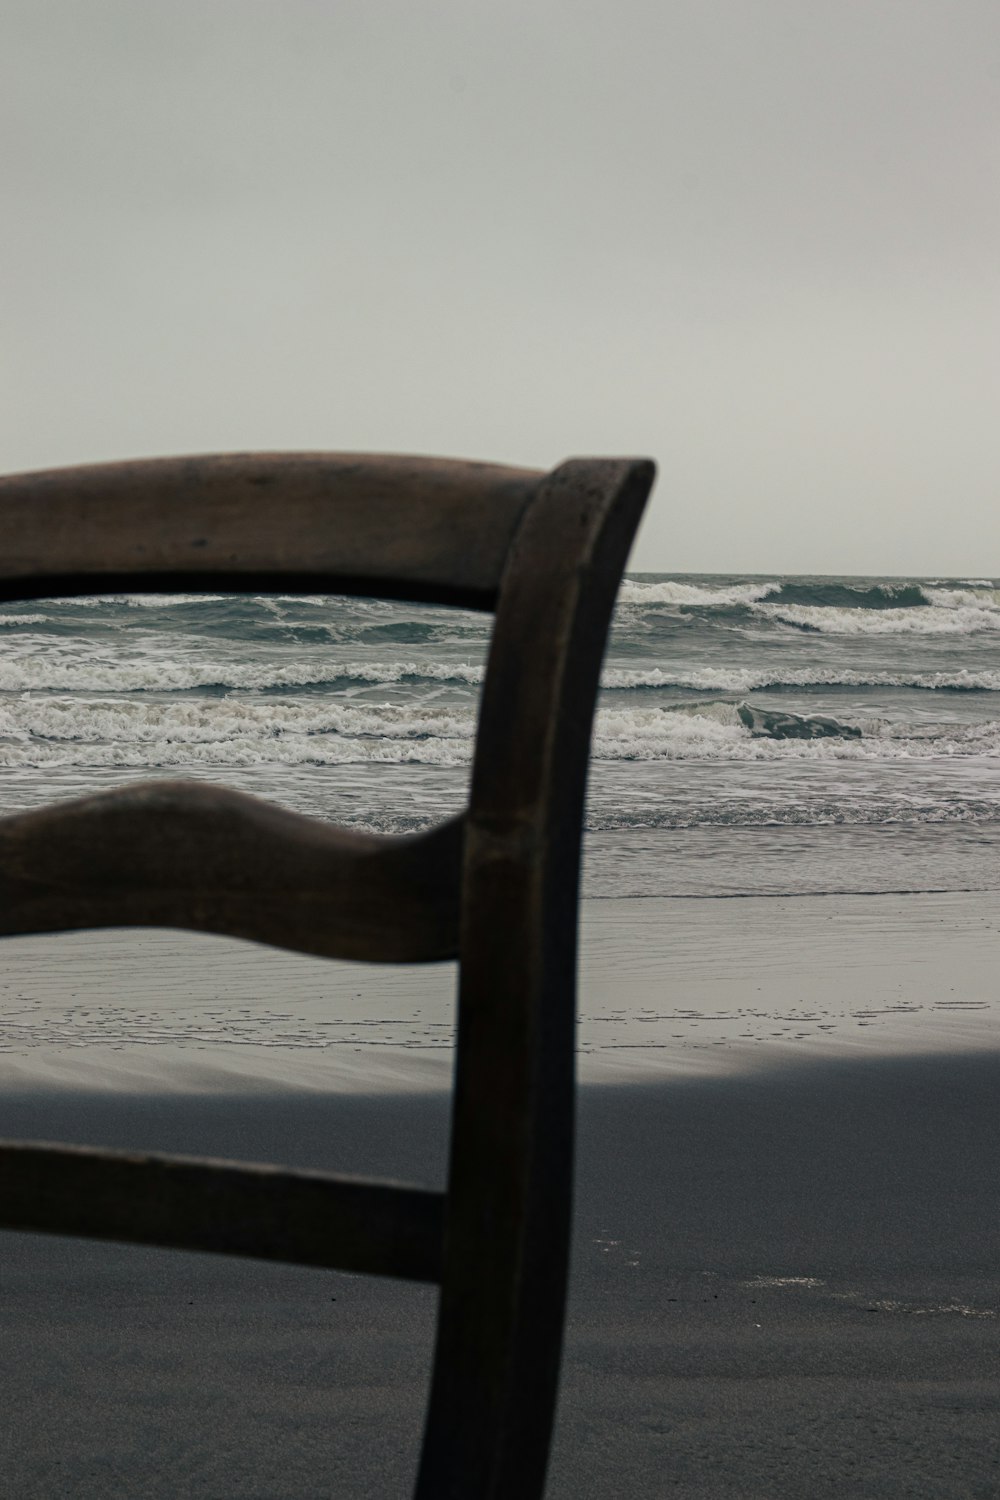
757 240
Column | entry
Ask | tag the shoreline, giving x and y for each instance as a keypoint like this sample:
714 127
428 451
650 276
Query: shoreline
669 986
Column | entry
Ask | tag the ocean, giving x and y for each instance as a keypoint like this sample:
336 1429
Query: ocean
755 736
788 1043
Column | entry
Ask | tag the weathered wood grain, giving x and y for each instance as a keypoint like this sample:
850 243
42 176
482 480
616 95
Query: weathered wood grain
503 1290
186 1203
418 528
498 887
177 854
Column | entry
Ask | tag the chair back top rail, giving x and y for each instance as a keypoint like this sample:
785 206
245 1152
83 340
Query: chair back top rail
397 527
231 1208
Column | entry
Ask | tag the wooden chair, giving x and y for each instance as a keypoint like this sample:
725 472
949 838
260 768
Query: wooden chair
496 887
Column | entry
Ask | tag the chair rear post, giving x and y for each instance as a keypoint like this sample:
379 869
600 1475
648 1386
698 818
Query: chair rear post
508 1218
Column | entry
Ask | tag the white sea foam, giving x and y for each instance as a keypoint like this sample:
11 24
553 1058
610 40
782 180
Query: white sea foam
78 667
975 595
137 733
750 679
78 671
719 735
955 618
65 732
202 721
293 751
141 601
633 592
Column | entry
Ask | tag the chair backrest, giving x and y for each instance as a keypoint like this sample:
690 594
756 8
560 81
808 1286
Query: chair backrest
496 887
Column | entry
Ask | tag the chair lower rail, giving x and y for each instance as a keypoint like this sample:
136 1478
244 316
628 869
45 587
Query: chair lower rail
231 1208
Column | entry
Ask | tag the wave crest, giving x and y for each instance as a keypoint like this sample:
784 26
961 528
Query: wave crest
65 672
635 593
963 619
750 679
53 732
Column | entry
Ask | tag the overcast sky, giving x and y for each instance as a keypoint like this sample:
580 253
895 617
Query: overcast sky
757 240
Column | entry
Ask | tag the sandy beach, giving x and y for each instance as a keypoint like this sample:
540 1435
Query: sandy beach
785 1276
342 345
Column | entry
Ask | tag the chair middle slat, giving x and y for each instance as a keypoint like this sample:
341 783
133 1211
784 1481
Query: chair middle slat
176 854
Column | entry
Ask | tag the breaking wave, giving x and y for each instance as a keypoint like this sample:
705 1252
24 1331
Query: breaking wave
74 667
78 672
752 679
830 606
925 619
640 595
240 731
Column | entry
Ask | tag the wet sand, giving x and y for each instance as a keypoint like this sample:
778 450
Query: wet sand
786 1275
667 987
